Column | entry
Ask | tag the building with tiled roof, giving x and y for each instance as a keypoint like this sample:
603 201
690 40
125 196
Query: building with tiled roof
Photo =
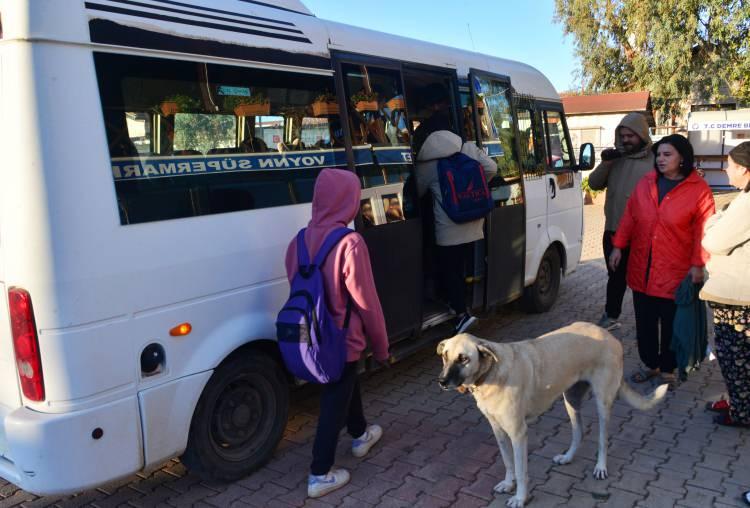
594 118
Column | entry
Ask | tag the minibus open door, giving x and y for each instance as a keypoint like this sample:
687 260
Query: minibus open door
505 227
377 138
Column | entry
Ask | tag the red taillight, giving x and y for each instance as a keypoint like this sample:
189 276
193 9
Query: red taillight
26 344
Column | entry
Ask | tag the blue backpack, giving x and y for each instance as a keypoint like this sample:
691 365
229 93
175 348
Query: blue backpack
312 346
463 187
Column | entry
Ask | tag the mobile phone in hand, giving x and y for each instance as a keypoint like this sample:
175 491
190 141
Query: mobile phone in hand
610 154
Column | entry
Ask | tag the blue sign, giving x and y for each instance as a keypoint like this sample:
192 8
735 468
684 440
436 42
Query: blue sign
393 155
240 91
172 166
494 148
135 168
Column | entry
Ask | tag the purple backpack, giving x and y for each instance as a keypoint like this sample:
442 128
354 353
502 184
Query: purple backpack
463 188
312 346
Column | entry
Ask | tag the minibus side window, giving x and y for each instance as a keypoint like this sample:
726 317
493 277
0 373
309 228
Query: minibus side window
532 160
557 143
467 116
497 130
496 124
189 138
380 140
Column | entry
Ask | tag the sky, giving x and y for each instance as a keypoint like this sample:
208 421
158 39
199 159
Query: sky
520 30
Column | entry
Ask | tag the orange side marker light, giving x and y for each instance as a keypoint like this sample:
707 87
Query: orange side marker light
181 330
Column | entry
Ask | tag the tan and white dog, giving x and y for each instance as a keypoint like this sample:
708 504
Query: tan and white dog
518 381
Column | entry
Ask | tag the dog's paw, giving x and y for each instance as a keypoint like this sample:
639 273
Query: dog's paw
505 486
515 502
561 459
600 472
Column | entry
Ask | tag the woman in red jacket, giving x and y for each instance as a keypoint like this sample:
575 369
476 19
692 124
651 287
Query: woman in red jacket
663 226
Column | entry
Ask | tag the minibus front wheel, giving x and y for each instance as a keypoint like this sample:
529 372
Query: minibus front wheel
541 295
239 419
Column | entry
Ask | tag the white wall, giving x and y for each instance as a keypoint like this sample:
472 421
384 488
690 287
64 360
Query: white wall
606 125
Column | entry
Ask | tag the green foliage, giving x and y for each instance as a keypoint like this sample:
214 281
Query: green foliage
326 97
673 48
232 101
202 132
364 96
185 103
587 188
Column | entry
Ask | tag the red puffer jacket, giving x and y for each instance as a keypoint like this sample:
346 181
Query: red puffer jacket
669 232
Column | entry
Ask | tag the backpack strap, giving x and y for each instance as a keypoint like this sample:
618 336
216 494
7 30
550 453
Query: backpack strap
303 257
333 238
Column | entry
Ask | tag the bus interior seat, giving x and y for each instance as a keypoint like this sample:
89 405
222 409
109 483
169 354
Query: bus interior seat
230 150
124 147
253 145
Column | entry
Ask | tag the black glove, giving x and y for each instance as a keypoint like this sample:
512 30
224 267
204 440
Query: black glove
610 154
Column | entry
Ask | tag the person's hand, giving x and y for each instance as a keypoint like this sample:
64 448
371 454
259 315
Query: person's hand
610 154
697 274
614 258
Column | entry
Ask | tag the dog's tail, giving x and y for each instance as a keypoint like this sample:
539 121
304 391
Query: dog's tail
638 401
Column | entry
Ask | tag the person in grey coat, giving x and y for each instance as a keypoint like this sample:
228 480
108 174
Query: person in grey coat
454 241
619 171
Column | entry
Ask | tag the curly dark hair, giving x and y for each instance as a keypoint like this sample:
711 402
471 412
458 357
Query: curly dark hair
683 146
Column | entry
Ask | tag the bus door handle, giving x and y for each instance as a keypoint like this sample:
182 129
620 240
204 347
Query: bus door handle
552 188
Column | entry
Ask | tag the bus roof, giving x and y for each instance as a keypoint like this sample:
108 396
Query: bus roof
525 78
284 32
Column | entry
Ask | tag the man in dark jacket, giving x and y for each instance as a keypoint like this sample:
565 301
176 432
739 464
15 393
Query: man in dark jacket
620 170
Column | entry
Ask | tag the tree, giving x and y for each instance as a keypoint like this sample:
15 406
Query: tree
673 48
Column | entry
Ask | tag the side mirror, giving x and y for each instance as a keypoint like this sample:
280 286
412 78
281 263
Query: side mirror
586 157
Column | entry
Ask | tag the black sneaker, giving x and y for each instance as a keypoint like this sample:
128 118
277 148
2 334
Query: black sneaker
464 322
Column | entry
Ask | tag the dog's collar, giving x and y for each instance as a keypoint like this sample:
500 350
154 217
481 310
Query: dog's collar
480 380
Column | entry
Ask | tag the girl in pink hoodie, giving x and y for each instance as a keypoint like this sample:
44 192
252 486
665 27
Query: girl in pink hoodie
347 274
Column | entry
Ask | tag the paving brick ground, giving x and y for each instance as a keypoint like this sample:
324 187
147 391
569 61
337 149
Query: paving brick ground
438 450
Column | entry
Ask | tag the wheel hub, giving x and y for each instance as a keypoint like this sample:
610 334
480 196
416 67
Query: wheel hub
237 416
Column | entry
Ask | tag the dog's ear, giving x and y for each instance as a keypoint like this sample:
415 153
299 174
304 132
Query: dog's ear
486 352
441 347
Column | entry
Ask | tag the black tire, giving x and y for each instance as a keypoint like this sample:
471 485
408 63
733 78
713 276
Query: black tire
541 296
239 419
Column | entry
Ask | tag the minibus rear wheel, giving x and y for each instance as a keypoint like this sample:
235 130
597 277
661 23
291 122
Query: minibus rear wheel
541 295
239 419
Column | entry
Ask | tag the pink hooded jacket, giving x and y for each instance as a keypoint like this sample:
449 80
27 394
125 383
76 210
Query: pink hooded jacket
347 269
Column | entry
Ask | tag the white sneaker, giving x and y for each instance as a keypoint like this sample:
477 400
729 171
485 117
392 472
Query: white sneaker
362 444
320 485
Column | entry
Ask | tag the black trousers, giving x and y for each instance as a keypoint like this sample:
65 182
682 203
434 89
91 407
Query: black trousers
340 405
452 261
616 284
654 318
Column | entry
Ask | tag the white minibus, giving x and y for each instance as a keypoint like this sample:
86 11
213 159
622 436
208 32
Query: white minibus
157 156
